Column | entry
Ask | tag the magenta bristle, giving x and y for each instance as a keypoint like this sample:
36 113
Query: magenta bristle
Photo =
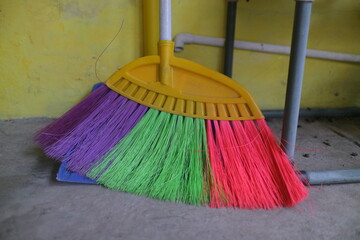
249 167
292 189
220 192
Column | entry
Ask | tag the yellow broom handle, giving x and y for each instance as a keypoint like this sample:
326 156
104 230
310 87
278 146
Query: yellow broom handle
151 26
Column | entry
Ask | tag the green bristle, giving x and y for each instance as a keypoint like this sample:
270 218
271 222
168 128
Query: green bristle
163 157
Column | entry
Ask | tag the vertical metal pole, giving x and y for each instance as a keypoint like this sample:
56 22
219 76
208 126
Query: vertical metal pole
295 77
230 37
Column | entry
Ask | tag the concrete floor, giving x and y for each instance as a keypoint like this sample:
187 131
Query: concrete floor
33 205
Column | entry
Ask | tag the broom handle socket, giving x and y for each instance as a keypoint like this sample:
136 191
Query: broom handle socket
166 52
165 20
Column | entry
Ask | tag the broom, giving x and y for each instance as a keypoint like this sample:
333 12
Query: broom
174 130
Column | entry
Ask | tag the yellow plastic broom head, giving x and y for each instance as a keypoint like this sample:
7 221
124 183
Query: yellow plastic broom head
182 87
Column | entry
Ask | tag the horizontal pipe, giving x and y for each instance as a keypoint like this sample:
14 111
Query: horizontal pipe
186 38
318 112
331 177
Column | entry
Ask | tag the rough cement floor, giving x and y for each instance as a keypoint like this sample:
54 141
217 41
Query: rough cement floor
35 206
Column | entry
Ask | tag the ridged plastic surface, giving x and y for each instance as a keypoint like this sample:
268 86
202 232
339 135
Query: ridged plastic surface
188 89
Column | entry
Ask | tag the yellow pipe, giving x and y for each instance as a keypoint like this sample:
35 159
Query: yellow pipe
151 26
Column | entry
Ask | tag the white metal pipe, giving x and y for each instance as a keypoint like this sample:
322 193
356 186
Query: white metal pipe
165 20
186 38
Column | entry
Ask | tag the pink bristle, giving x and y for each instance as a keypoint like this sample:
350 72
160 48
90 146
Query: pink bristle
238 178
258 167
220 192
250 167
292 189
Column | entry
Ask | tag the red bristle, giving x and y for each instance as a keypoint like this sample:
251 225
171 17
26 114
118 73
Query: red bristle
220 191
250 167
257 165
238 178
292 189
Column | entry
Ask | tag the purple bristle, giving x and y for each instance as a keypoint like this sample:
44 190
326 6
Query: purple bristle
95 130
104 136
76 136
59 128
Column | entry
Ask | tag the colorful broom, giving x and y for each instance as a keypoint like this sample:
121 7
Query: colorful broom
171 129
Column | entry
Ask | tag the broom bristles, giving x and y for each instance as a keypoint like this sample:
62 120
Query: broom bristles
108 118
130 147
291 188
102 130
158 159
249 169
59 128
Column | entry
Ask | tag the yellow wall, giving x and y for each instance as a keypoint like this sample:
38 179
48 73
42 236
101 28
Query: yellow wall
48 49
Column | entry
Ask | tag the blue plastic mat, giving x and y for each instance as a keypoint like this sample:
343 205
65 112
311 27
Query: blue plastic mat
65 175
